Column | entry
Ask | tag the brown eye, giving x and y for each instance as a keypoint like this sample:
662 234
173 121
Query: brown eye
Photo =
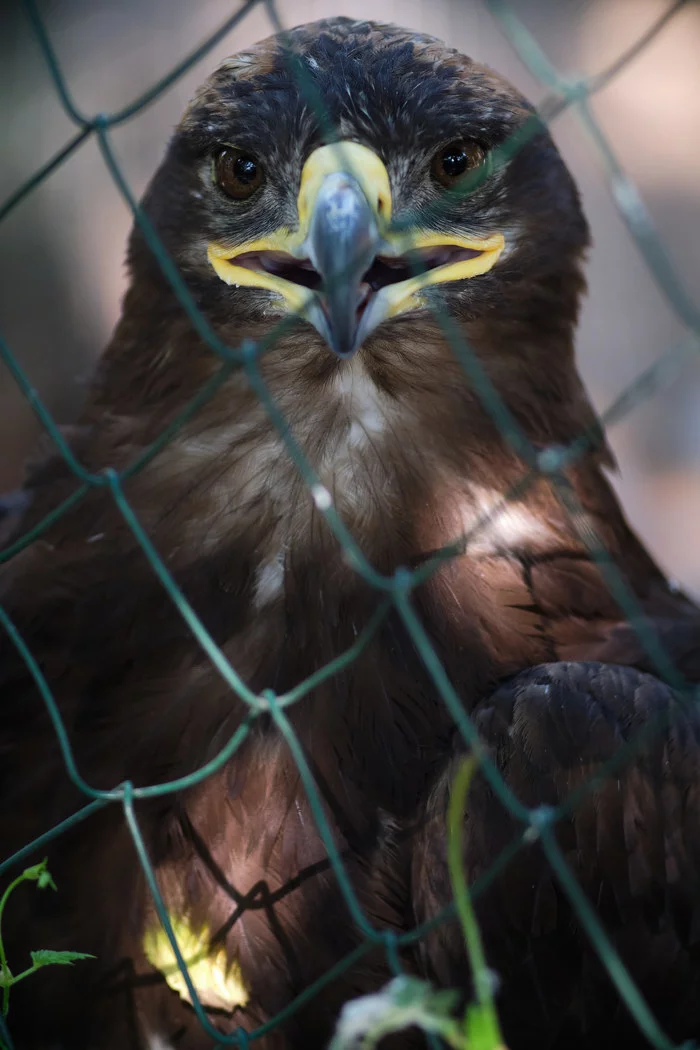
454 160
237 173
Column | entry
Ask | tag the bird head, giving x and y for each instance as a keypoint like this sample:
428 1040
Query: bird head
358 176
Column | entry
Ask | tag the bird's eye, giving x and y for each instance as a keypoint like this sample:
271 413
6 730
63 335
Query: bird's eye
450 163
237 173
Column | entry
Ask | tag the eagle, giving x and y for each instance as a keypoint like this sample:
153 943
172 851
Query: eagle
344 209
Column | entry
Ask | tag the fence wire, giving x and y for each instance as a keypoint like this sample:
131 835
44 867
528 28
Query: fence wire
562 93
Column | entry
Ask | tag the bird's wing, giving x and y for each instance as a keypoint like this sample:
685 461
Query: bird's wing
632 842
239 856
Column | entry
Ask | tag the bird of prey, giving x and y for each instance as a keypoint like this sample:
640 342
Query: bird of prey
351 182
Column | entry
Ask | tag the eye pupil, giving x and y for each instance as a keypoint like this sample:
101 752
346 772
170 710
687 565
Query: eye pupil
454 162
451 162
237 174
245 169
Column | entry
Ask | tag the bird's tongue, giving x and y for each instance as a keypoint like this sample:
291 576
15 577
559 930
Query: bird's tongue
364 293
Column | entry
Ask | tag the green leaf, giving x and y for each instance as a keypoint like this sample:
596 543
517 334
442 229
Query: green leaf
45 881
47 957
39 873
33 873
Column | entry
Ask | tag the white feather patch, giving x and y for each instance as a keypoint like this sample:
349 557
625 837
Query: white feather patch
269 582
154 1041
365 405
507 524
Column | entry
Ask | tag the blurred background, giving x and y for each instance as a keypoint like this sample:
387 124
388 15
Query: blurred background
62 249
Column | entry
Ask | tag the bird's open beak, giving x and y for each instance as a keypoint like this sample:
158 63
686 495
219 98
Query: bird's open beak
344 269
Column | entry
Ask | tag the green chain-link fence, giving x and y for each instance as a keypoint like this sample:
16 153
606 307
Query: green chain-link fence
563 93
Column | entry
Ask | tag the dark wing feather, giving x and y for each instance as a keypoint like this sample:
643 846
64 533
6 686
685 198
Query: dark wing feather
633 844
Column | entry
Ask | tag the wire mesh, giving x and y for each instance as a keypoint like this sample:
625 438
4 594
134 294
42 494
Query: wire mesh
551 463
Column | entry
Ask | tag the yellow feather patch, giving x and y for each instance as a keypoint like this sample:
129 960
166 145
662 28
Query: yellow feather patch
217 981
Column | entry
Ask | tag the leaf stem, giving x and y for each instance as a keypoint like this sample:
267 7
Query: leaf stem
4 968
483 986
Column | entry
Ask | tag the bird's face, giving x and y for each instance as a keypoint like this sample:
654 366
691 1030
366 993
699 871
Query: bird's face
345 266
346 175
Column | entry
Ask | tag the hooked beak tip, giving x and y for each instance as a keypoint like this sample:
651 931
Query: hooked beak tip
342 244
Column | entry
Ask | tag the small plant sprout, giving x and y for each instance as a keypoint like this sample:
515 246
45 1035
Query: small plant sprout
40 874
